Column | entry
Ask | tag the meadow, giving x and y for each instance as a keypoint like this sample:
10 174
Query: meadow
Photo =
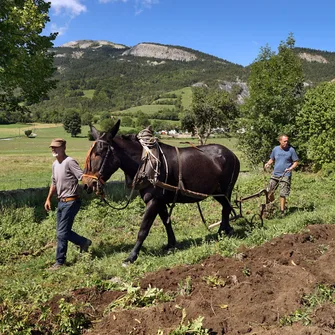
27 248
27 234
26 162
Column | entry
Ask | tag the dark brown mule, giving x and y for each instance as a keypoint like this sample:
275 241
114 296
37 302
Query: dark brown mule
209 169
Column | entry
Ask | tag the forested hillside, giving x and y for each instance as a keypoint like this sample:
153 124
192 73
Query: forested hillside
98 76
104 78
318 66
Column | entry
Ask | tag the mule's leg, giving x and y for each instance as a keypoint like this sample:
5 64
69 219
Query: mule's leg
226 209
164 215
147 221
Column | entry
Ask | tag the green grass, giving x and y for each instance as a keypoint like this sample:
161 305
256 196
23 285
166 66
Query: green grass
88 93
186 96
146 109
26 162
185 93
27 241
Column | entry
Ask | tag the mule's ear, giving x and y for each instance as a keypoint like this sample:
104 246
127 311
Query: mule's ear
111 134
94 132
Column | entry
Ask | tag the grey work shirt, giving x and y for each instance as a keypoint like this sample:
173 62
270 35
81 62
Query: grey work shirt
65 176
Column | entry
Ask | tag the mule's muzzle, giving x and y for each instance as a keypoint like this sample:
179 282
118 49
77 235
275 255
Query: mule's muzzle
88 189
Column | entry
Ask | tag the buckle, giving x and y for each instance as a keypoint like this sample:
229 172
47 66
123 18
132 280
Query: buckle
69 199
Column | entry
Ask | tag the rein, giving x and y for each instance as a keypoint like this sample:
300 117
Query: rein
148 142
98 178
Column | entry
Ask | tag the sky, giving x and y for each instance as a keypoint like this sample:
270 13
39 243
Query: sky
234 30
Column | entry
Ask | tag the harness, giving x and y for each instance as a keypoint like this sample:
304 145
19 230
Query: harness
148 172
98 176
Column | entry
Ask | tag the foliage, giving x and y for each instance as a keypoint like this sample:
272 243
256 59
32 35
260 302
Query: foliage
135 298
28 132
276 93
72 123
316 125
211 108
26 286
142 120
70 319
107 124
214 281
322 294
192 326
26 65
119 81
185 287
319 67
87 119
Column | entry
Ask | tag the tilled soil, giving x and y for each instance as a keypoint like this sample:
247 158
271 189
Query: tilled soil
249 294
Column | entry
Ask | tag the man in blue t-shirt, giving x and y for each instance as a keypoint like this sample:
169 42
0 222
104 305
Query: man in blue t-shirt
285 159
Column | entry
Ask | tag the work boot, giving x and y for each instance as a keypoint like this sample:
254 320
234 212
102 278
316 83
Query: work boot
85 246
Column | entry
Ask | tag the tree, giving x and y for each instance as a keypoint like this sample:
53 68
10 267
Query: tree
72 122
210 108
28 132
26 65
86 118
127 121
142 120
316 125
106 125
276 93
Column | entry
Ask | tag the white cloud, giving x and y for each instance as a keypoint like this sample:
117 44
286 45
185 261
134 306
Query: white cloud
105 1
146 3
60 30
68 7
140 5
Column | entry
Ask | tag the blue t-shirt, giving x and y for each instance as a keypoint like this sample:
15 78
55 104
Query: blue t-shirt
283 159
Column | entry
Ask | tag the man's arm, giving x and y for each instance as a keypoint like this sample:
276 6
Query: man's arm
75 169
52 191
293 166
269 163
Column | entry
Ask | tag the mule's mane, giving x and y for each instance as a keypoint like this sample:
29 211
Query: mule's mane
129 137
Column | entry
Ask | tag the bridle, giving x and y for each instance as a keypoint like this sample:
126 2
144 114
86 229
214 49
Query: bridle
99 176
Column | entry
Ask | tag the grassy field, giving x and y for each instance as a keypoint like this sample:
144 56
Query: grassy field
146 109
26 162
27 247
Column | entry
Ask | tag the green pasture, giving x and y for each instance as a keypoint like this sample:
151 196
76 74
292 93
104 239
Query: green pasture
146 109
26 162
88 93
186 96
27 248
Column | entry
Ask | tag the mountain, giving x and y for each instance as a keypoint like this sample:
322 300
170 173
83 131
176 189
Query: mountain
104 76
318 65
101 76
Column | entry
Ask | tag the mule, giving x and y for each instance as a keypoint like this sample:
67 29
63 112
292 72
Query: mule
190 174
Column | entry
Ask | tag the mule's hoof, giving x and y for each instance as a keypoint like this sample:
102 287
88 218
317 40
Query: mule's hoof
128 261
169 249
230 232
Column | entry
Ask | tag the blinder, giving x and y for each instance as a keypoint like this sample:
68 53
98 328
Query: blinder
99 177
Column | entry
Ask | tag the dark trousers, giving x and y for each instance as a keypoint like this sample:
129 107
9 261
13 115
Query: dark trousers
66 212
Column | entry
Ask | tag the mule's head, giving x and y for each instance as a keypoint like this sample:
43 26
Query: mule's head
101 161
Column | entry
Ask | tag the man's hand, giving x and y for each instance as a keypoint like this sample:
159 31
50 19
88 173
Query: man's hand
47 205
